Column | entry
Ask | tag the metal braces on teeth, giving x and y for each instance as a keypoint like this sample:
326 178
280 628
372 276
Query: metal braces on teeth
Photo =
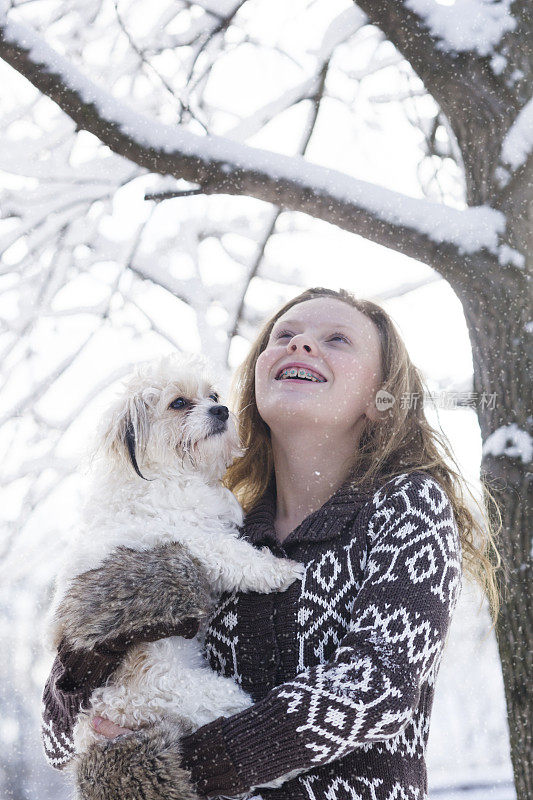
293 372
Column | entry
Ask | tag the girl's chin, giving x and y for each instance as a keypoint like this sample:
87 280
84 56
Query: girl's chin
297 410
300 396
296 385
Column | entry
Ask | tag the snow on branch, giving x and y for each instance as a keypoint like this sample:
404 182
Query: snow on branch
340 29
415 227
218 8
447 43
518 142
249 126
465 25
510 441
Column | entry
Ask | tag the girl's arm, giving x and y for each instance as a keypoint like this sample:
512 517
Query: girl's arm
133 597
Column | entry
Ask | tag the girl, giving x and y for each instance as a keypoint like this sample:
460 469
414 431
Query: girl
343 473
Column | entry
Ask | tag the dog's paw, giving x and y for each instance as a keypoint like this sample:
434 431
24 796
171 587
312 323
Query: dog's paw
290 571
282 574
143 765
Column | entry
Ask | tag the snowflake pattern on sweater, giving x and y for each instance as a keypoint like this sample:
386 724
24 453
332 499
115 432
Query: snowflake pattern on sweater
391 648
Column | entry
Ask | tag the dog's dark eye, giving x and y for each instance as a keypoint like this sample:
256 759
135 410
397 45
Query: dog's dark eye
179 402
214 397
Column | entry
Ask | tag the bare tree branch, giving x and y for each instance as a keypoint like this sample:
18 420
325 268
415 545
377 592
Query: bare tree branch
44 384
172 194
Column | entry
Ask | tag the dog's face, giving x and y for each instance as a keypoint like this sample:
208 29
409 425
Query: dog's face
171 417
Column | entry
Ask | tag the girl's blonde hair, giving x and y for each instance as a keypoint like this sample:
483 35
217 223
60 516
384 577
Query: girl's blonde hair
401 442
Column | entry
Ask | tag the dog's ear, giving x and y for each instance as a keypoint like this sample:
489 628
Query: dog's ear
127 429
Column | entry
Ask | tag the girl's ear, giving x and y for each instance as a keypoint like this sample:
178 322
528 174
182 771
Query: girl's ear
126 430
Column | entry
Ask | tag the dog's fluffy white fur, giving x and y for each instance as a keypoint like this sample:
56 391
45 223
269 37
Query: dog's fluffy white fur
182 454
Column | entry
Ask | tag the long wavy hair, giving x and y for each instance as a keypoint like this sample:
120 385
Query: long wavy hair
401 442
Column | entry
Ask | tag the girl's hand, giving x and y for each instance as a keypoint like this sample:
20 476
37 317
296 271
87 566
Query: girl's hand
108 728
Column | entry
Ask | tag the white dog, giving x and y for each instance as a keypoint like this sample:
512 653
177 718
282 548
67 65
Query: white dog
159 524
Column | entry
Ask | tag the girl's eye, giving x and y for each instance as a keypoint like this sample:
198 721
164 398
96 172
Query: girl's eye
339 336
214 397
283 334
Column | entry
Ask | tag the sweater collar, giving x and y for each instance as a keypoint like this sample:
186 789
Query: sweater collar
322 524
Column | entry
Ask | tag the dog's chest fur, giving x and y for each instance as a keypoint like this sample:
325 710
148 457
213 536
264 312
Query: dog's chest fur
143 516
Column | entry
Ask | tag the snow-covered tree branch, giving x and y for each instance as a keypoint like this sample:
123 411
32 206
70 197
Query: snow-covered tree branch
462 52
437 235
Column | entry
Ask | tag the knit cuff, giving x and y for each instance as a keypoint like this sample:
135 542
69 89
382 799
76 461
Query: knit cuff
264 743
206 757
247 750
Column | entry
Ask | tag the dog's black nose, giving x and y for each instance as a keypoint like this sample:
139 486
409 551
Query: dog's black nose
221 412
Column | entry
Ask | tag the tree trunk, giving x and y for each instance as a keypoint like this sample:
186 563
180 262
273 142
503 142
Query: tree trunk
515 625
511 372
498 312
502 365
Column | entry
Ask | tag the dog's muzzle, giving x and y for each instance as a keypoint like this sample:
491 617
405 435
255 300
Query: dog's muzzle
220 416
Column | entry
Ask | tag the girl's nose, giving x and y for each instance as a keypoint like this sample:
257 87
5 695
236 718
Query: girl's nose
300 341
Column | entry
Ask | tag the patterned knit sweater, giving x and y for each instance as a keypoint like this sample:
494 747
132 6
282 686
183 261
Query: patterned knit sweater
341 666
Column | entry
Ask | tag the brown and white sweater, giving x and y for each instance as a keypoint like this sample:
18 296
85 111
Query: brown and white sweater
341 666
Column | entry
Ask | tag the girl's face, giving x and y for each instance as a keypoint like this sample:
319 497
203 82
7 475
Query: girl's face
338 346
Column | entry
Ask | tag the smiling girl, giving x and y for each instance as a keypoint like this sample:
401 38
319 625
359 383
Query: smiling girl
341 666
